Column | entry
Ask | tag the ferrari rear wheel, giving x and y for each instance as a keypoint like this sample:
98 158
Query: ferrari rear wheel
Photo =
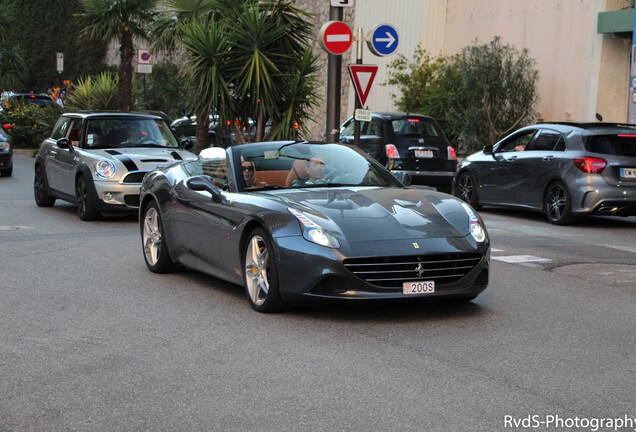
261 273
153 241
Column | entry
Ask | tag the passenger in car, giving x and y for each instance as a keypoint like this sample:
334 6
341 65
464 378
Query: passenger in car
249 174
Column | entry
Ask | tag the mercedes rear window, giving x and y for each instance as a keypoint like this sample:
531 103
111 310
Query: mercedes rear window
619 145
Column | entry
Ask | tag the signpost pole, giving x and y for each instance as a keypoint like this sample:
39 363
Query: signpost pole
334 82
631 115
356 130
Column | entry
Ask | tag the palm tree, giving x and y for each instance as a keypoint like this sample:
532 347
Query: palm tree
205 72
120 20
169 30
12 67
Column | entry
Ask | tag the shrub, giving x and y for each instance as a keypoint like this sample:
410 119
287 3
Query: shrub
478 96
98 92
30 125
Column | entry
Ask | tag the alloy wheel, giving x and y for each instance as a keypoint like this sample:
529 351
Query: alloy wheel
256 268
557 202
465 188
152 236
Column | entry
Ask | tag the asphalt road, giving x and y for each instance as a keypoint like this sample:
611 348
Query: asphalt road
90 340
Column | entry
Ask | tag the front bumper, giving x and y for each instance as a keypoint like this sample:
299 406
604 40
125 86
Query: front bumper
116 196
309 273
6 159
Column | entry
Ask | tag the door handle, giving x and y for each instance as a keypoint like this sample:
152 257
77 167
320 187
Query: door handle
512 158
53 153
548 158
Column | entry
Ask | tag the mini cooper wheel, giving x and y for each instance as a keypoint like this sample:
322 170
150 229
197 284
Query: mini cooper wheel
85 200
261 274
40 191
557 204
153 242
466 191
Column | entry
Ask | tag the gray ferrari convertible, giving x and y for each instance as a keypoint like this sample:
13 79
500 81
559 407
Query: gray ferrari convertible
298 222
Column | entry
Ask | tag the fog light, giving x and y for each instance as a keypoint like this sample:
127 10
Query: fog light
108 196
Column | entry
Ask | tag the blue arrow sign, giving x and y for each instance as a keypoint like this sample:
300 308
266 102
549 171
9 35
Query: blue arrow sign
384 40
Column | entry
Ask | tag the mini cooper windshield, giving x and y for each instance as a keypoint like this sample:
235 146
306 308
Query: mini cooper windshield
128 132
307 165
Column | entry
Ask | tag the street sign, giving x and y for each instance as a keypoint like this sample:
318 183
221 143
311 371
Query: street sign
342 3
144 57
362 77
60 62
335 37
144 68
363 115
383 40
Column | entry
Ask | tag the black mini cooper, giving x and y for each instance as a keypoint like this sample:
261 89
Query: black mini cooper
410 143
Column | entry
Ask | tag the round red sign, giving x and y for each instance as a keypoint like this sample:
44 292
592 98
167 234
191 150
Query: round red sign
335 37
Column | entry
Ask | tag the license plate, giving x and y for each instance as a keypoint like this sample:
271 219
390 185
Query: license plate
628 172
411 288
424 154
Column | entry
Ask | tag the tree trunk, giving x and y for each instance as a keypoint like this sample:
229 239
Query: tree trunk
126 55
202 131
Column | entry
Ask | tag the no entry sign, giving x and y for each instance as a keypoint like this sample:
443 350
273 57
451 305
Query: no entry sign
335 37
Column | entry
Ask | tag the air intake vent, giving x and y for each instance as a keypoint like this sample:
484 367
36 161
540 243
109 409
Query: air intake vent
392 272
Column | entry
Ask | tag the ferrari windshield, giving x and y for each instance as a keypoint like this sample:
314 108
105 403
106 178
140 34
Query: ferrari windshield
128 132
305 165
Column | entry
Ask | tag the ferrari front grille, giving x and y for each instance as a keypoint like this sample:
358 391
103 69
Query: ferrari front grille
392 272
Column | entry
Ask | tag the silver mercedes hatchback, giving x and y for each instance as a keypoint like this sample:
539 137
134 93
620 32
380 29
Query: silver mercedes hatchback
98 160
564 170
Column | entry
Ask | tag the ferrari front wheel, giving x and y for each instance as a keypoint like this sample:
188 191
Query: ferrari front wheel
261 273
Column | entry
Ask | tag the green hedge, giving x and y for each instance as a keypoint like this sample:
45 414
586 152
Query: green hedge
30 125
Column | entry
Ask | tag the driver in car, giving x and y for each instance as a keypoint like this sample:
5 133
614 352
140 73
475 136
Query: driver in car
316 171
134 133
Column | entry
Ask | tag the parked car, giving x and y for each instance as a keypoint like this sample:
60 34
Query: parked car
6 155
9 98
408 143
97 160
355 234
186 128
564 170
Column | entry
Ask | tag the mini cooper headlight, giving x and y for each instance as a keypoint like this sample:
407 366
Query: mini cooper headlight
105 169
476 229
314 232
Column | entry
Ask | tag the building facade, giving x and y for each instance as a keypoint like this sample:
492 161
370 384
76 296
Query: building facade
582 48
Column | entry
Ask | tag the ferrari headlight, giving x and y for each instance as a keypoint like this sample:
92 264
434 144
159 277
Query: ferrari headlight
314 232
476 229
105 169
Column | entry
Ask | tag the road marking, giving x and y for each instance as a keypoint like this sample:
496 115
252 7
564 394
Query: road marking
15 228
517 259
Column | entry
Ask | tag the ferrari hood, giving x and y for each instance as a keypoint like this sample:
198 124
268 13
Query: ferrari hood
144 159
382 213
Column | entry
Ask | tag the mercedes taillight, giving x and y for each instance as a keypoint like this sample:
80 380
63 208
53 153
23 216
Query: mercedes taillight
590 165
